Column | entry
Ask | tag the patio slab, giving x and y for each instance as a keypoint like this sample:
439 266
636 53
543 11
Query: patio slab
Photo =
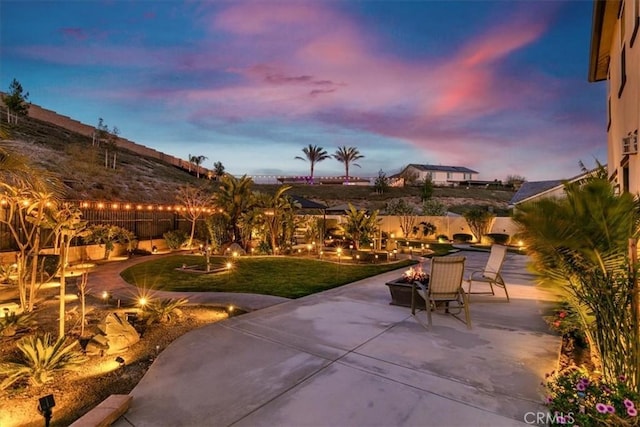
345 357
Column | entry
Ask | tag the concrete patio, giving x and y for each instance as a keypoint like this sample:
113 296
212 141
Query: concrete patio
345 357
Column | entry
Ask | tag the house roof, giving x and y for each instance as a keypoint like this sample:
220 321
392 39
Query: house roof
440 168
605 14
533 188
343 209
308 204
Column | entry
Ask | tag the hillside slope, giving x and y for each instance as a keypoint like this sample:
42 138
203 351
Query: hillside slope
136 178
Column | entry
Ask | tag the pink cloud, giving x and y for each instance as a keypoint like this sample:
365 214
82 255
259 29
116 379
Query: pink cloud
74 33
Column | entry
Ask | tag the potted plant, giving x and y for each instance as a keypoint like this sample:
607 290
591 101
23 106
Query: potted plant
401 288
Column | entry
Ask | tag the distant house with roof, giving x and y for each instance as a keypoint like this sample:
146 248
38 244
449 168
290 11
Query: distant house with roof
531 191
438 174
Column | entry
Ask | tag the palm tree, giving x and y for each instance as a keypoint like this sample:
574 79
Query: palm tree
274 208
360 226
347 155
197 160
234 198
580 245
218 168
313 154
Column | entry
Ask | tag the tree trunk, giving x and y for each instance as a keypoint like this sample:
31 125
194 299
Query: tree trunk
63 286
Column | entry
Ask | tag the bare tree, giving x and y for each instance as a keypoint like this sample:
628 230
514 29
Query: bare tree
196 203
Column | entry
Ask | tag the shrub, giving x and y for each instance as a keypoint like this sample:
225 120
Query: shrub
498 238
40 358
175 238
442 238
567 322
578 399
462 237
164 310
13 323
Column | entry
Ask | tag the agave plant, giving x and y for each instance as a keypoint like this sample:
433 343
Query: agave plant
165 310
12 323
40 358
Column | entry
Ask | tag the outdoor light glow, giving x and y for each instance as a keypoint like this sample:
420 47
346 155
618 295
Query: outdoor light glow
229 265
114 206
127 206
105 294
150 207
142 301
100 205
235 254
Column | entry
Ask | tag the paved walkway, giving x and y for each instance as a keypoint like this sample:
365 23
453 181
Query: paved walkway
107 278
345 357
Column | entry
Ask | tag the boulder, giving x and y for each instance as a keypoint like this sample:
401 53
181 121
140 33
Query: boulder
119 333
234 247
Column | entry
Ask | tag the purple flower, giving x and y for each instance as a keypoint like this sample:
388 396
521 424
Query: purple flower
622 378
560 420
549 399
581 386
628 403
611 409
584 381
632 412
606 389
601 407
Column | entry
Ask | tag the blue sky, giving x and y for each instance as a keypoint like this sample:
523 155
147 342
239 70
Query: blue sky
499 87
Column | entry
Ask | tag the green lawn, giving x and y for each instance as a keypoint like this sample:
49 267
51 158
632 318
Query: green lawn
281 276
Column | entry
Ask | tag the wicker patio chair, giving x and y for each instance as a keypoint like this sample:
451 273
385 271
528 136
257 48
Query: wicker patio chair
491 273
444 290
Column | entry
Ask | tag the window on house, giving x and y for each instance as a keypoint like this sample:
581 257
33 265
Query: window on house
623 70
467 177
622 23
625 179
449 175
635 16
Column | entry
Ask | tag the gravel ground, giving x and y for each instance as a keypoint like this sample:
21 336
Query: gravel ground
76 393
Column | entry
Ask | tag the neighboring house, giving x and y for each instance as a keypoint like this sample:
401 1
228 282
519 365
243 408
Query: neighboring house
615 57
439 175
531 191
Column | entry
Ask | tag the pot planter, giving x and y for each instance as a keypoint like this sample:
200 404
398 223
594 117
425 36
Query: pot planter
401 294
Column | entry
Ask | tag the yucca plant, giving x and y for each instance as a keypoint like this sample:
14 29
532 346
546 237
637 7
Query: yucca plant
40 358
164 310
12 323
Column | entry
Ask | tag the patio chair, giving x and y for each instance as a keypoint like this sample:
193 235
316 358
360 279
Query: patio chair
444 288
491 272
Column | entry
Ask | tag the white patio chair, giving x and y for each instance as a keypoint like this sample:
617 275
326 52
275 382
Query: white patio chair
491 273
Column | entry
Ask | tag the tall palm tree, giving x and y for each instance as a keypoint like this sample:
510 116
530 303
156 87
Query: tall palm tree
313 154
197 160
347 155
234 198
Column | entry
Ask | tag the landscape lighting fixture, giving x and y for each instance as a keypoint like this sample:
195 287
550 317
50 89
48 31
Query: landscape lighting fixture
142 301
120 361
45 404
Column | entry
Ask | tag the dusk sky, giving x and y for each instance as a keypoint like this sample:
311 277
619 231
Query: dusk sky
499 87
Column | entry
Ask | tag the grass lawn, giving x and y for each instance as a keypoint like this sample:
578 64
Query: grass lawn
281 276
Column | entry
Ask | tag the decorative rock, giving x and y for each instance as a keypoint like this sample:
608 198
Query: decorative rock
234 247
119 333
